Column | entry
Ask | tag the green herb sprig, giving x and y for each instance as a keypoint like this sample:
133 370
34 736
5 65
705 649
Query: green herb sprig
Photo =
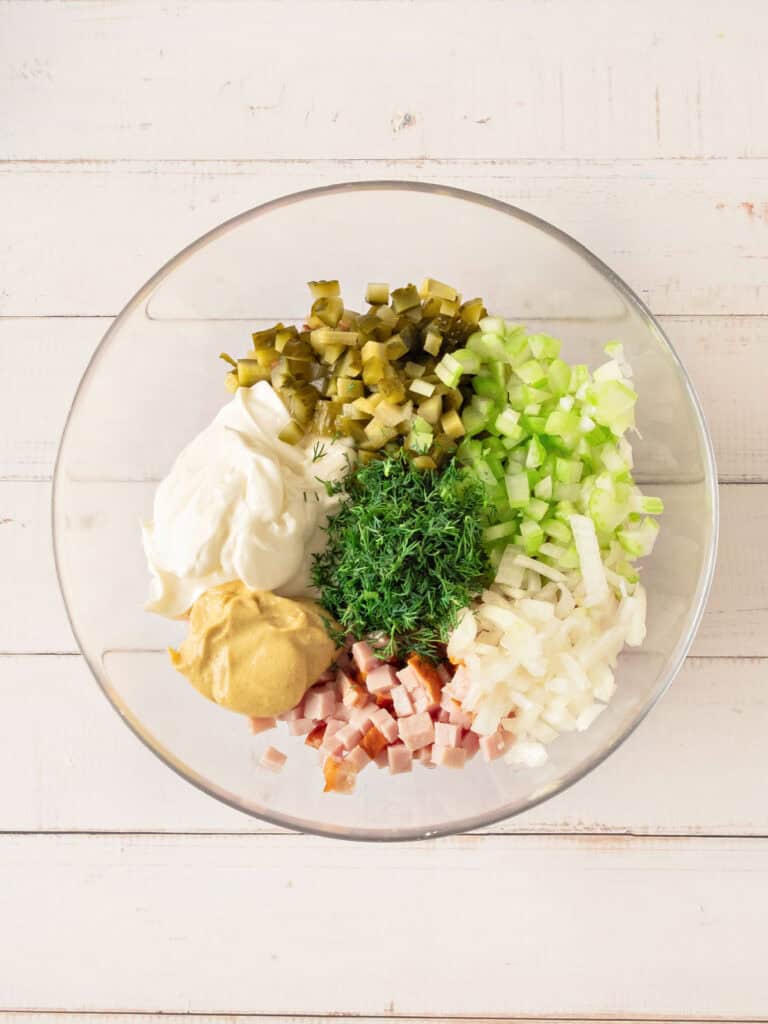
404 553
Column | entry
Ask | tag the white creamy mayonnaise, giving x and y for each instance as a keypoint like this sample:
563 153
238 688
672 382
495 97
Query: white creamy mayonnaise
239 503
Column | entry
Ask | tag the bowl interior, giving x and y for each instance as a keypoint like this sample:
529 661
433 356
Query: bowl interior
156 381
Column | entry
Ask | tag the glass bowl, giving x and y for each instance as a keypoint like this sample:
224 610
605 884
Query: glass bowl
155 381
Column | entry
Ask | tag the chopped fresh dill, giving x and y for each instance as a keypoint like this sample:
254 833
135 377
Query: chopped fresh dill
319 451
404 553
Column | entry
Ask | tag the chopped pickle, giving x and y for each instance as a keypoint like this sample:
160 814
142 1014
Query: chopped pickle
395 347
374 371
373 350
249 371
378 434
451 424
331 353
430 308
390 414
429 286
231 383
228 359
387 314
324 289
349 388
414 369
431 409
329 310
393 389
324 420
283 336
364 457
266 356
415 315
266 338
472 311
325 336
351 363
449 307
377 293
424 462
406 298
432 342
292 433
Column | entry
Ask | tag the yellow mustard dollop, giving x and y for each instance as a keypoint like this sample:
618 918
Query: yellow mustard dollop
252 651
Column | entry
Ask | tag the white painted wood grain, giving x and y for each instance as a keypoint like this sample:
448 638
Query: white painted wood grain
690 236
345 79
725 356
735 624
695 766
62 1017
254 924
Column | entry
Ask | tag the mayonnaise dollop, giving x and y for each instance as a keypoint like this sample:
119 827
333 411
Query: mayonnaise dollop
238 504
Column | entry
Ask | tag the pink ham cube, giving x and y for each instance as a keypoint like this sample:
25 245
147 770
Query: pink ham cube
443 715
362 717
386 724
493 746
319 704
381 760
461 718
420 701
417 730
470 744
357 759
400 759
444 673
301 726
258 725
331 744
424 756
381 679
364 658
409 679
459 685
449 757
293 714
349 736
401 701
447 735
273 759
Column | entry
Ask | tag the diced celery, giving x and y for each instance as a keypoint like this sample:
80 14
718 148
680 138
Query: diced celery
568 471
563 424
449 370
470 361
535 454
518 490
543 488
501 531
488 387
639 541
614 403
531 372
536 509
532 536
558 377
543 346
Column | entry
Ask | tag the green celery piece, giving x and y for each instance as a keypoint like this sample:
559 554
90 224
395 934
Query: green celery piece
543 346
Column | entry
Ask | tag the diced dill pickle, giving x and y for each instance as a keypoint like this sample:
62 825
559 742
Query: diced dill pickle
451 424
414 369
348 317
301 369
351 428
415 315
324 420
314 322
452 397
429 286
351 412
228 359
351 363
422 387
324 289
280 375
326 336
328 310
431 409
378 434
266 338
430 307
395 347
266 356
387 314
390 414
424 462
291 433
392 388
406 298
231 383
374 370
368 325
364 457
331 353
331 388
369 403
472 311
297 348
377 293
373 350
249 371
283 336
432 342
449 307
348 388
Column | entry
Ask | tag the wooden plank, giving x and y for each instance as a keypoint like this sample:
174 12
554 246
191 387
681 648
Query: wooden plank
688 235
63 1017
507 80
689 770
725 356
223 924
735 624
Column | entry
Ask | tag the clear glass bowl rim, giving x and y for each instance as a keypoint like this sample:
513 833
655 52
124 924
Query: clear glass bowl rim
705 580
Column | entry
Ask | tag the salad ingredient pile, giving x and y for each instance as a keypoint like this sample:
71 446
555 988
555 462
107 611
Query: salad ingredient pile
459 502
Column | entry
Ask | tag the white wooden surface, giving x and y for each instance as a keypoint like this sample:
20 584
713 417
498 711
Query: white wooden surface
128 128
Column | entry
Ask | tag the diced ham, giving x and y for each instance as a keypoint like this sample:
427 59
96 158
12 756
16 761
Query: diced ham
386 724
362 717
459 685
339 777
352 693
319 704
425 757
401 701
443 715
331 744
445 674
357 759
373 742
381 760
273 759
349 736
258 725
380 679
447 735
470 743
400 759
420 701
461 718
333 725
301 726
341 711
493 746
429 678
364 658
449 757
315 738
417 730
293 714
408 678
384 700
